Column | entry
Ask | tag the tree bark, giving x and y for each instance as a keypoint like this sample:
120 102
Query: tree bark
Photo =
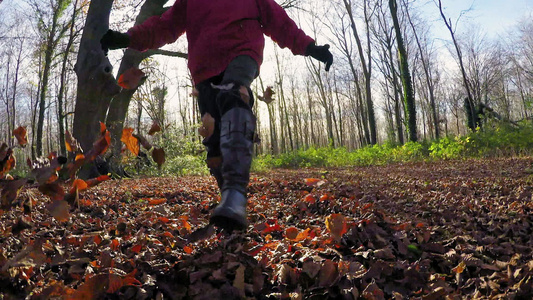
96 84
405 74
470 99
367 69
429 82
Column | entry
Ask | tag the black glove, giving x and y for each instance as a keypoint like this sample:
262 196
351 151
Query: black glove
114 40
320 53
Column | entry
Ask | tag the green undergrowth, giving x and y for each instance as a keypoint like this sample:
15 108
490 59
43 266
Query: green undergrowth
491 142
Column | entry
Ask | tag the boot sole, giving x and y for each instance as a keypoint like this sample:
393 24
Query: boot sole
227 223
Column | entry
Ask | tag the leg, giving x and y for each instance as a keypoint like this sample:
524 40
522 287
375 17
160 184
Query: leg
237 130
207 95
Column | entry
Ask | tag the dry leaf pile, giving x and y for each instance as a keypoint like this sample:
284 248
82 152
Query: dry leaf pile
441 230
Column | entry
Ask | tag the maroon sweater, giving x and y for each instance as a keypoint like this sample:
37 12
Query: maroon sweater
219 30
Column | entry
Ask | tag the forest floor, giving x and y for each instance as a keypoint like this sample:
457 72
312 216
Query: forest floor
457 229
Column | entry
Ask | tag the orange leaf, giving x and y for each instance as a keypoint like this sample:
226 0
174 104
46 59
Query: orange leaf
163 220
97 239
157 201
336 224
103 128
168 234
460 268
310 198
71 143
155 128
314 181
420 225
324 197
79 184
136 248
131 78
187 249
158 154
131 142
21 135
114 245
185 223
95 181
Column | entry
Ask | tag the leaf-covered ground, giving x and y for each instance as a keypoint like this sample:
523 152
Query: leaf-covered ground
442 230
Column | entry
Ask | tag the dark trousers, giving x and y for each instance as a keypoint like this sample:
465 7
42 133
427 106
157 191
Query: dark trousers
240 72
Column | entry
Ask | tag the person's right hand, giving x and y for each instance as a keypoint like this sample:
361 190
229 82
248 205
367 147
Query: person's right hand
114 40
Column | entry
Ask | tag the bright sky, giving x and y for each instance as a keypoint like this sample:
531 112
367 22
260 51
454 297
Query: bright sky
494 16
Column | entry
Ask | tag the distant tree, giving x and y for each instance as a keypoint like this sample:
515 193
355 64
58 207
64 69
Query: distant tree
405 74
470 102
51 30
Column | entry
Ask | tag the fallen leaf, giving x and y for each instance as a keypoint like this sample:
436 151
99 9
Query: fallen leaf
336 224
157 201
59 209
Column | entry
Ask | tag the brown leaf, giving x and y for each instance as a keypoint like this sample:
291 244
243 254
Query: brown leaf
21 136
373 292
267 95
158 154
52 190
74 167
155 128
10 192
238 282
7 161
100 146
208 125
144 142
328 274
59 209
131 78
131 142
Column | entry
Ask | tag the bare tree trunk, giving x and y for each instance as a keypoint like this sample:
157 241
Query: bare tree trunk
96 84
405 74
367 68
460 59
61 92
427 72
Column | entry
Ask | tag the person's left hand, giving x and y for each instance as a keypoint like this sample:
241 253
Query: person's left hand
320 53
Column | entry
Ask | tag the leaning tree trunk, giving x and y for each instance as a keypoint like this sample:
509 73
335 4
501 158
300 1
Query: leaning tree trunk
132 58
96 84
405 75
119 105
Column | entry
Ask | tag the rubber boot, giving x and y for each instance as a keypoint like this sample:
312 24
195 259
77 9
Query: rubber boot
236 145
